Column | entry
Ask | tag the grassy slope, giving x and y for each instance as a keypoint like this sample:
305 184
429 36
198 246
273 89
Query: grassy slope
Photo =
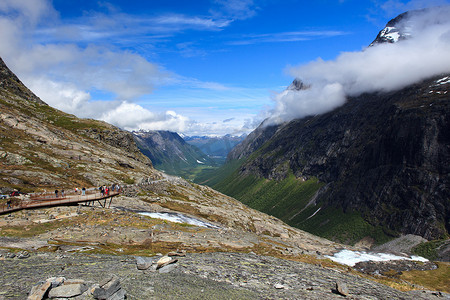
287 199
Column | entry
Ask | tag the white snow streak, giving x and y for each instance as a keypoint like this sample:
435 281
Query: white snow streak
350 258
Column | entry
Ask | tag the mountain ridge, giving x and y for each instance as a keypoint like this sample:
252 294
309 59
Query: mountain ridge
42 147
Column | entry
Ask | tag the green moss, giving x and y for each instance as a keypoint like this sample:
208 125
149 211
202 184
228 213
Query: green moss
129 180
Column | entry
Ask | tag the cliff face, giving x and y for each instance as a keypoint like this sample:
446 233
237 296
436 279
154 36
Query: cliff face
42 147
385 155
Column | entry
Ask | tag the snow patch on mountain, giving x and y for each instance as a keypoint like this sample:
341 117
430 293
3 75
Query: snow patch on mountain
444 80
391 34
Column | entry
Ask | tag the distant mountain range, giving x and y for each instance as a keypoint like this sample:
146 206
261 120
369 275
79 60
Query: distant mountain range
217 147
171 154
187 156
374 168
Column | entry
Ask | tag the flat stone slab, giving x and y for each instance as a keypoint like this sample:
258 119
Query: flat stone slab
67 291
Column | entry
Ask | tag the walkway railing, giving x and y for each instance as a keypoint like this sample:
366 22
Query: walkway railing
46 200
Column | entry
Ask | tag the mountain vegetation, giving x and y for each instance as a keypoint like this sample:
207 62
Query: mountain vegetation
379 161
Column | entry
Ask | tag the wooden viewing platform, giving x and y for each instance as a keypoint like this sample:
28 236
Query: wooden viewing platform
49 200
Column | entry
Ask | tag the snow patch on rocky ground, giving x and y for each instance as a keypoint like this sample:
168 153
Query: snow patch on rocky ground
350 258
178 218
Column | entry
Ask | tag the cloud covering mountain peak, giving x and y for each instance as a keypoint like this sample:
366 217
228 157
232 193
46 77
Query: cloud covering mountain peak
381 68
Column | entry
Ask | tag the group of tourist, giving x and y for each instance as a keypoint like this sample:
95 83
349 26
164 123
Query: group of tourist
83 191
105 190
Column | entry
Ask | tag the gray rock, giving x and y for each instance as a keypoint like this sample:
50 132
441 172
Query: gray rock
74 281
106 288
143 263
164 261
56 281
38 291
67 291
119 295
167 268
341 288
177 253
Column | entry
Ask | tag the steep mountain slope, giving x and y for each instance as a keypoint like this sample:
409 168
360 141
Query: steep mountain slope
43 147
376 166
170 153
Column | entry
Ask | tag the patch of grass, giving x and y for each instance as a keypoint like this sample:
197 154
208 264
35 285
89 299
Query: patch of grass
282 199
435 280
212 177
146 248
428 249
33 229
129 180
350 227
175 194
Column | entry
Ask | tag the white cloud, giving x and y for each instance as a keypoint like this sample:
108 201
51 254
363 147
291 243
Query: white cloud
280 37
65 97
66 64
25 11
131 116
384 67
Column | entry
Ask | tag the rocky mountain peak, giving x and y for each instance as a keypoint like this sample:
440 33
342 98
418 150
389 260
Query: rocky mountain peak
298 85
11 83
394 31
411 23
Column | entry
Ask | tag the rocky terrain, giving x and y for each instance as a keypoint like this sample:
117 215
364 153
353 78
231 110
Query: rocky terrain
247 255
42 147
197 276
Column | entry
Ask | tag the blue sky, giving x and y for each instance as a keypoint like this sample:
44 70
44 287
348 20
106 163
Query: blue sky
196 67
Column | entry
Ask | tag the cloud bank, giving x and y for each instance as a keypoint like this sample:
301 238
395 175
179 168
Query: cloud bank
83 65
383 67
